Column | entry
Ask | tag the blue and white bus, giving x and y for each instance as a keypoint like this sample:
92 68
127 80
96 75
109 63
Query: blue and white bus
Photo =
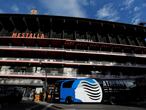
90 90
78 90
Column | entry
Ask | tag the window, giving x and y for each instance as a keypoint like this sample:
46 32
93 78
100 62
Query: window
68 34
81 36
57 34
68 84
104 84
130 83
91 36
102 38
112 38
122 39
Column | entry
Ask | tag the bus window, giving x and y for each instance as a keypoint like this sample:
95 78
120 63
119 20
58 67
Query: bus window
68 84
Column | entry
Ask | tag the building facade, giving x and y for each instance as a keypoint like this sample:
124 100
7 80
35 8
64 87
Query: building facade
65 47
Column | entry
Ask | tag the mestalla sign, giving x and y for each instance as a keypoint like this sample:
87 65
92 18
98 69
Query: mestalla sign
28 35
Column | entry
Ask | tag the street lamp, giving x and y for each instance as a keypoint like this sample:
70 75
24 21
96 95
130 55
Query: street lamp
45 83
46 87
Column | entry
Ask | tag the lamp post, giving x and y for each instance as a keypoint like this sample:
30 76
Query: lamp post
45 83
45 87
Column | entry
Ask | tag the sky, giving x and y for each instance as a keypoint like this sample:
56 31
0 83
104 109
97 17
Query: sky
124 11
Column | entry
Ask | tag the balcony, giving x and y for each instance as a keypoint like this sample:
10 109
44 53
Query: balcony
79 51
70 63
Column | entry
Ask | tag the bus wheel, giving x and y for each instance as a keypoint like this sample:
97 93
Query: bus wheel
68 100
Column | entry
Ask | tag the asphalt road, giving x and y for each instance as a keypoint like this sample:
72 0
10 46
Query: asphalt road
29 105
96 107
26 105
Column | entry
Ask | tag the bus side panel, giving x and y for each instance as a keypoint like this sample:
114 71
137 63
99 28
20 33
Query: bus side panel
74 86
66 92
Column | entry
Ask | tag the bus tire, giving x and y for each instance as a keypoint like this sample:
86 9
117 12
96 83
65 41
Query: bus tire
68 100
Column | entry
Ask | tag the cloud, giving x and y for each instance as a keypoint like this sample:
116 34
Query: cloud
136 19
137 15
144 5
128 3
136 8
87 2
64 7
108 12
1 11
84 2
15 8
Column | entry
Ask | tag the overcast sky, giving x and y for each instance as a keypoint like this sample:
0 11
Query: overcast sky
125 11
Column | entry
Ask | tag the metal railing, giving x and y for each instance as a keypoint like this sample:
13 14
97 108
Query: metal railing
73 51
61 61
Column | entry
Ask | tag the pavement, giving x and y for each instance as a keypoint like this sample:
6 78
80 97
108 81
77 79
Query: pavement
30 105
95 107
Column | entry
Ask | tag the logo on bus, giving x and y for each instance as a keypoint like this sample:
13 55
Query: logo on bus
89 91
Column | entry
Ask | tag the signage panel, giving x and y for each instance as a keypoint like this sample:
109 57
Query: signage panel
28 35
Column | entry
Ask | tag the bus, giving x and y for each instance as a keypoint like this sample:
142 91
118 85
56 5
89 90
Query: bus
91 90
79 90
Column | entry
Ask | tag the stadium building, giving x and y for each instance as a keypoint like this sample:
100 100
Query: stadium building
38 46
